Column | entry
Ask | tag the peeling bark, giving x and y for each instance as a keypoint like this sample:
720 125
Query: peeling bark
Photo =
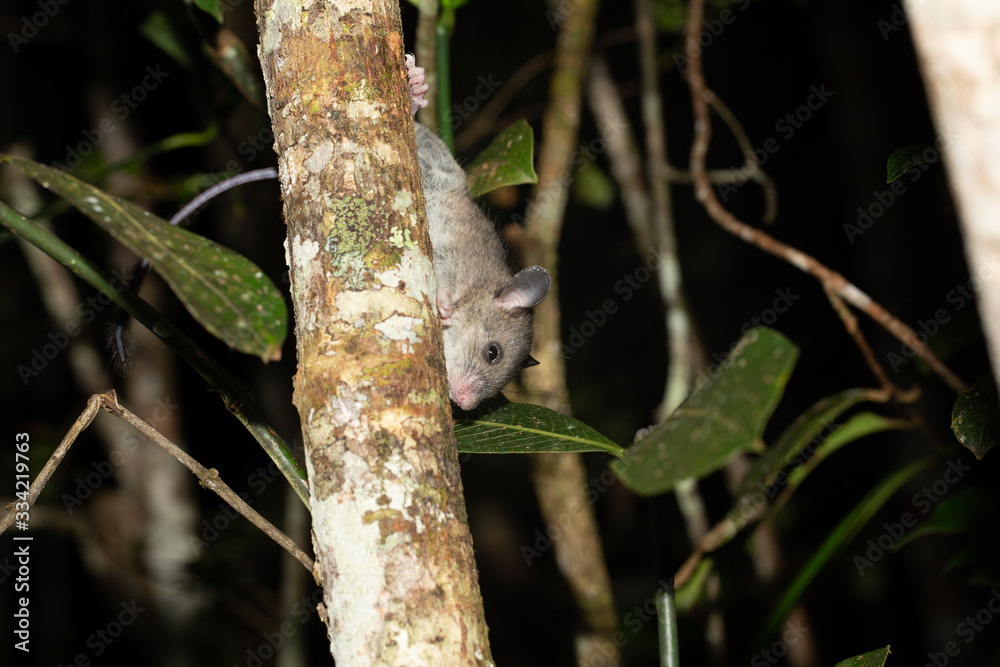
393 550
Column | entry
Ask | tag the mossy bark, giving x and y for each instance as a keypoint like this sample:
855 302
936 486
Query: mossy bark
393 550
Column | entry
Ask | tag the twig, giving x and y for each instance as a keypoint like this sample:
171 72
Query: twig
235 395
209 477
487 119
623 153
82 422
751 165
851 324
560 479
678 319
832 281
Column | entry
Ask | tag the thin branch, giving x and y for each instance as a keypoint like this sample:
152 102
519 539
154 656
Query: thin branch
832 281
82 422
678 318
209 477
560 479
235 395
750 163
487 119
851 324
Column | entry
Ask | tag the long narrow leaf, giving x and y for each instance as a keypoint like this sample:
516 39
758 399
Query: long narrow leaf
227 293
840 537
806 431
236 397
501 427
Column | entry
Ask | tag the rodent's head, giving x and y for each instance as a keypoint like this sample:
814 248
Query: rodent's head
489 339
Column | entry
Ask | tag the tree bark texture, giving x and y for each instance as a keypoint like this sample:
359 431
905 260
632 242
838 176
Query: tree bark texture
393 550
958 46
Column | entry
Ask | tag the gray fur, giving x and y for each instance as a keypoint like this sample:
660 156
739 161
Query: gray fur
489 306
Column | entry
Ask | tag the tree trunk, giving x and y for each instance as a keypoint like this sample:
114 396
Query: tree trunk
958 46
393 550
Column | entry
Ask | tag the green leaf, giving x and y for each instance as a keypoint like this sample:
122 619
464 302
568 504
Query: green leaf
506 161
501 427
452 5
670 15
594 188
958 513
228 294
722 418
841 536
806 433
158 29
858 426
211 7
907 157
694 591
975 417
875 658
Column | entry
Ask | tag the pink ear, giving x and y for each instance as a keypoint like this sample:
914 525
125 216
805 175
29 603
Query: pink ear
525 290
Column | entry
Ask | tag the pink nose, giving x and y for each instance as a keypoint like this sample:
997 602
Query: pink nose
462 389
466 401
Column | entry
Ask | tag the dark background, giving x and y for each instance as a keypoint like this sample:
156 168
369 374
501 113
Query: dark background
63 82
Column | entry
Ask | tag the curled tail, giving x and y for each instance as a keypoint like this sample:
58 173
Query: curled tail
118 336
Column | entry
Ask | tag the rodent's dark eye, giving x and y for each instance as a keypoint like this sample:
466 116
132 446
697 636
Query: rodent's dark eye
493 353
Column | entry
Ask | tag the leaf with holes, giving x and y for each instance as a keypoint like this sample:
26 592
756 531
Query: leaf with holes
506 161
501 427
871 659
227 293
975 417
722 418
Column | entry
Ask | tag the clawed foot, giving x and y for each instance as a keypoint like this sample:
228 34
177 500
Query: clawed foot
417 86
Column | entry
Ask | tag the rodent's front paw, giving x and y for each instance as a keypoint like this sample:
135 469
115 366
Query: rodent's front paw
417 85
444 308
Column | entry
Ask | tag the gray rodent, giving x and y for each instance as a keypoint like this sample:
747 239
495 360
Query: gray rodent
485 309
